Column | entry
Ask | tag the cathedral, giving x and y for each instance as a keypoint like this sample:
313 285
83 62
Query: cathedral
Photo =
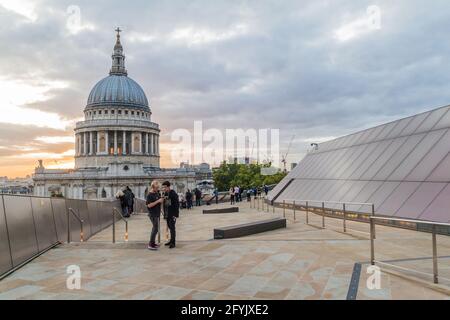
117 144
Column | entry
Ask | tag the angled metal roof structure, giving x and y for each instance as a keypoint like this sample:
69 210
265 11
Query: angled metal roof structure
403 167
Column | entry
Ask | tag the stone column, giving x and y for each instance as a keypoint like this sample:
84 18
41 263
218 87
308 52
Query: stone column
157 145
115 142
91 143
152 149
124 143
140 143
79 144
98 142
107 142
146 143
85 143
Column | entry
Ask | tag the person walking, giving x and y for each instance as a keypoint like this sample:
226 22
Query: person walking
266 190
154 201
172 209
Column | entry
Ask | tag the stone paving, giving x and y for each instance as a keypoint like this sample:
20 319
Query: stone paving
300 262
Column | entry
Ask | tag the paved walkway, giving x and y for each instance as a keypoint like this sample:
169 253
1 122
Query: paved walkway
300 262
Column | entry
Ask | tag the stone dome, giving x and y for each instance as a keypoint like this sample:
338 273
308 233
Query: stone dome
118 90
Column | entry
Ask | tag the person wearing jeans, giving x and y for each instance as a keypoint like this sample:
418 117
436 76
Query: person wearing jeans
154 201
172 211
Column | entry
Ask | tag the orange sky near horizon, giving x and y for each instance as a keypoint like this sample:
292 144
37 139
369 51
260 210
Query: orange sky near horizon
20 166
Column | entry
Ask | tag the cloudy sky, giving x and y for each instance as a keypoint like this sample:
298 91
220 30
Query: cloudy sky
313 69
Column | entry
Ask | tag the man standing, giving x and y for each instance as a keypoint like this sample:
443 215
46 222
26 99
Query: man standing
172 206
198 197
189 199
154 201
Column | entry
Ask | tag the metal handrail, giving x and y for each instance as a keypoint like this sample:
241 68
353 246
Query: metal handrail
433 239
372 220
115 210
323 209
412 221
72 211
333 202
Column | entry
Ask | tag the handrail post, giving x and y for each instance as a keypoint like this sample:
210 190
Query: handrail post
307 212
372 242
435 258
114 226
284 208
267 205
323 215
68 225
126 231
81 231
273 206
257 203
293 208
373 214
345 215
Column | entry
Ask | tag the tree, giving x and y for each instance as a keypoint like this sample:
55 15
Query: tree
244 175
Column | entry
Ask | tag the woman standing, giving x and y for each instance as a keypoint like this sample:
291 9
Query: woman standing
153 202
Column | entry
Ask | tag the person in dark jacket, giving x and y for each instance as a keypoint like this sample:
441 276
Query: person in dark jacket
154 201
123 203
129 195
172 211
198 197
189 199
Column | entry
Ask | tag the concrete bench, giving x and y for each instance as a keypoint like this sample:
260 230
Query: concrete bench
246 229
221 210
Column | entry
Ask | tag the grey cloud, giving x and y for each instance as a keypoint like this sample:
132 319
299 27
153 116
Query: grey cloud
298 78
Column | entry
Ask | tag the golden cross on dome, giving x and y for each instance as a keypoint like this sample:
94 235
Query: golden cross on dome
118 31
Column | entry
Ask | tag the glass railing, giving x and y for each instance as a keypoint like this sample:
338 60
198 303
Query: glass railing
32 225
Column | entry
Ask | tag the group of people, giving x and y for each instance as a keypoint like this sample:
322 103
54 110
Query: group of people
167 200
158 200
188 198
236 193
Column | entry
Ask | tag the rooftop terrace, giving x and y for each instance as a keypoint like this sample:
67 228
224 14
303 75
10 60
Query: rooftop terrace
302 261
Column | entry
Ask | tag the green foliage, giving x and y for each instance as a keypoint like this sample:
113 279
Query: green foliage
243 175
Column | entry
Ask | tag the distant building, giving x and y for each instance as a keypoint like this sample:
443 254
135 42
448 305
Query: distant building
16 186
242 160
117 144
202 171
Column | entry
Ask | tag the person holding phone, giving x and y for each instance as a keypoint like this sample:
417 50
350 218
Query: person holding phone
154 201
